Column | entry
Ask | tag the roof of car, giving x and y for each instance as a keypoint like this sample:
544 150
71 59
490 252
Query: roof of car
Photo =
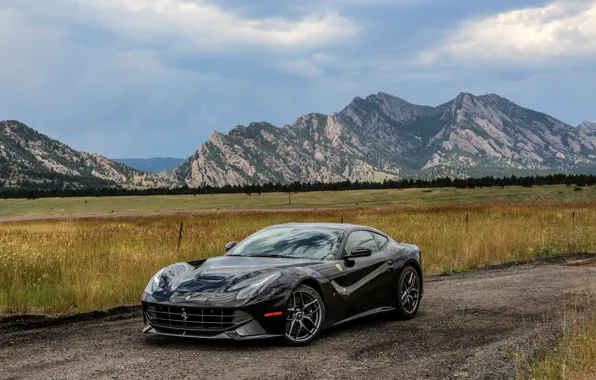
339 226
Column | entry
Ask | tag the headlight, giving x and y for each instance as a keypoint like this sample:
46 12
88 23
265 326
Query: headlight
154 284
250 289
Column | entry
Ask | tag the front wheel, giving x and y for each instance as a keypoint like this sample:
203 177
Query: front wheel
304 315
408 294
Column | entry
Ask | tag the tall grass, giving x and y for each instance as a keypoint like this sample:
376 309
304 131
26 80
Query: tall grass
73 266
573 357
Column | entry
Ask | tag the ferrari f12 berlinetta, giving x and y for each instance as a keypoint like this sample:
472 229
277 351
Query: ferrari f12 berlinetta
289 281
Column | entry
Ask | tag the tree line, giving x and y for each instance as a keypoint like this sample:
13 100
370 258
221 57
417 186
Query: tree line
489 181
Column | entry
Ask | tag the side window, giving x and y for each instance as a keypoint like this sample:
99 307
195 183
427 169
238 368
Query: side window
381 240
361 239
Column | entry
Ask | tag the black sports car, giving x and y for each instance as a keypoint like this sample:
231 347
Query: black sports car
289 281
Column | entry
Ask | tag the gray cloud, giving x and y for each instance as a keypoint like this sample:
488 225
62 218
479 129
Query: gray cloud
126 79
560 30
97 99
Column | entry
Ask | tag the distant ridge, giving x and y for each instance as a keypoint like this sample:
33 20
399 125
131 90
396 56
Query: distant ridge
151 165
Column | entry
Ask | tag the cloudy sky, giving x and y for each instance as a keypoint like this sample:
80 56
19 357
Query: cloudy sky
144 78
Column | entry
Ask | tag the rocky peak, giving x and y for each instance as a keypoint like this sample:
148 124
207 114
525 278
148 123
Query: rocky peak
382 97
464 95
310 122
237 130
588 127
216 136
452 106
466 99
381 106
494 98
463 98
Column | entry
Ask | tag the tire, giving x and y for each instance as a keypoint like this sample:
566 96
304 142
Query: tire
303 324
408 294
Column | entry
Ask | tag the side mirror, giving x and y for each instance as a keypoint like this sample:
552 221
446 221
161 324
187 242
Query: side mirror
359 252
230 245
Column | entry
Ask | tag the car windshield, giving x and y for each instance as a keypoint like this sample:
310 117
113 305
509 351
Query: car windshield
292 242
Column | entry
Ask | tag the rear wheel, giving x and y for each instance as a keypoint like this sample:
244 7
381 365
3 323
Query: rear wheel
408 294
304 315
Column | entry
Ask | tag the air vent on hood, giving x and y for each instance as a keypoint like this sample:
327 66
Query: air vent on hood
210 278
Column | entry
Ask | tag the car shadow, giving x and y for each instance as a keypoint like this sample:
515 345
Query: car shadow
362 325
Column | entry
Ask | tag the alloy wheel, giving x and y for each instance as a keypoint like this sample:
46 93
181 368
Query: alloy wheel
410 291
304 315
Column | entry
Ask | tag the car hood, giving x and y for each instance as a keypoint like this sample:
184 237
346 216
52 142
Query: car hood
218 274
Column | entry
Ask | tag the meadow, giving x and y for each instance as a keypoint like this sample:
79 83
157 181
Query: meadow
404 197
77 265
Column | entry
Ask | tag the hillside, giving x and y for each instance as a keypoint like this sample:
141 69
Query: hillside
32 160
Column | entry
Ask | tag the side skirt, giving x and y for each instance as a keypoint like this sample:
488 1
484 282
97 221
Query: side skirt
378 310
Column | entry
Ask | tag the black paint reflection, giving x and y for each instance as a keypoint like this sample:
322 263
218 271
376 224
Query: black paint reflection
317 244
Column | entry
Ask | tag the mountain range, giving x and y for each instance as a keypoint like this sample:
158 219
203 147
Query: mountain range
375 138
383 136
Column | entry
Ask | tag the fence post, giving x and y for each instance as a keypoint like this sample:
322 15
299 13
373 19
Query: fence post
290 198
180 235
342 220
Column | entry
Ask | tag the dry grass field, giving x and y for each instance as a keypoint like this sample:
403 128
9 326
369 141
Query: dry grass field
404 197
68 266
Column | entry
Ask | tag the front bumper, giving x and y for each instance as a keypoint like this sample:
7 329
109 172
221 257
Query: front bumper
202 321
249 331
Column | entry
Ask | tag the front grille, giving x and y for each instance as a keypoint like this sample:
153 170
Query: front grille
194 318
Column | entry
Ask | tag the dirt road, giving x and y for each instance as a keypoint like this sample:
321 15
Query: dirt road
467 324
